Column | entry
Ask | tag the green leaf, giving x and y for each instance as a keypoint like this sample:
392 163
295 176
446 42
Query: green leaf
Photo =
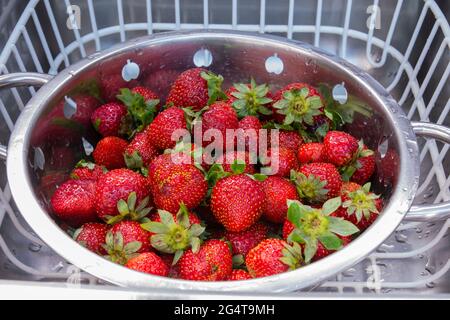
177 256
238 166
310 249
195 244
122 206
196 230
131 202
341 226
155 227
259 176
331 205
330 241
294 214
132 247
166 217
238 260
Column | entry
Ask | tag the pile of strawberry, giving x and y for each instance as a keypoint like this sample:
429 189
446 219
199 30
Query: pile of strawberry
138 205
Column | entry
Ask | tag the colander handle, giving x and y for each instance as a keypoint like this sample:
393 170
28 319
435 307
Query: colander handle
437 211
21 79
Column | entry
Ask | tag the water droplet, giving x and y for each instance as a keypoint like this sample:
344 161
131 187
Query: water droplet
203 58
430 285
419 230
401 237
58 267
34 247
349 273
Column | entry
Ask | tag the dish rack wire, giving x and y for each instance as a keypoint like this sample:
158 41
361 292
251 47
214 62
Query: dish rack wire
51 35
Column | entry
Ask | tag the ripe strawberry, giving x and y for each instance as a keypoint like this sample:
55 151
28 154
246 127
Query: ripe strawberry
231 157
339 147
195 88
250 99
243 241
213 262
92 236
74 202
237 202
250 126
278 190
174 270
349 187
311 152
272 256
362 167
165 124
239 274
175 234
316 226
117 194
140 152
87 171
175 183
299 103
279 162
110 119
132 231
109 152
317 182
219 116
111 83
148 262
147 94
289 140
361 207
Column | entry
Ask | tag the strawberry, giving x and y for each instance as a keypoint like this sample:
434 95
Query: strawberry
237 202
174 235
174 270
362 167
272 256
213 262
165 124
361 206
299 103
243 241
339 147
87 171
148 262
311 152
140 152
117 194
195 88
240 156
279 162
174 183
289 140
110 119
111 83
219 116
278 190
317 182
146 93
314 226
92 236
250 126
109 152
349 187
250 99
74 202
132 231
239 274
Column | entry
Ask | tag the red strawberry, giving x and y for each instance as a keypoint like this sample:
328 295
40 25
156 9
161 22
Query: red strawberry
174 270
361 206
289 139
110 119
213 262
319 232
109 152
239 274
87 171
278 190
175 183
272 256
219 116
250 126
117 194
362 167
140 152
165 124
237 202
317 182
92 236
349 187
339 147
148 262
280 162
111 83
74 202
132 231
242 242
146 93
311 152
195 88
250 99
299 103
174 234
230 158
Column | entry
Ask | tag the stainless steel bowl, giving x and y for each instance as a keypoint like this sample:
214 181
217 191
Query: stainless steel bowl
46 141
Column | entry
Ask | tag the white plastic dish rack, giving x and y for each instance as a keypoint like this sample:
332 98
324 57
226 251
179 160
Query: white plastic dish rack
404 44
